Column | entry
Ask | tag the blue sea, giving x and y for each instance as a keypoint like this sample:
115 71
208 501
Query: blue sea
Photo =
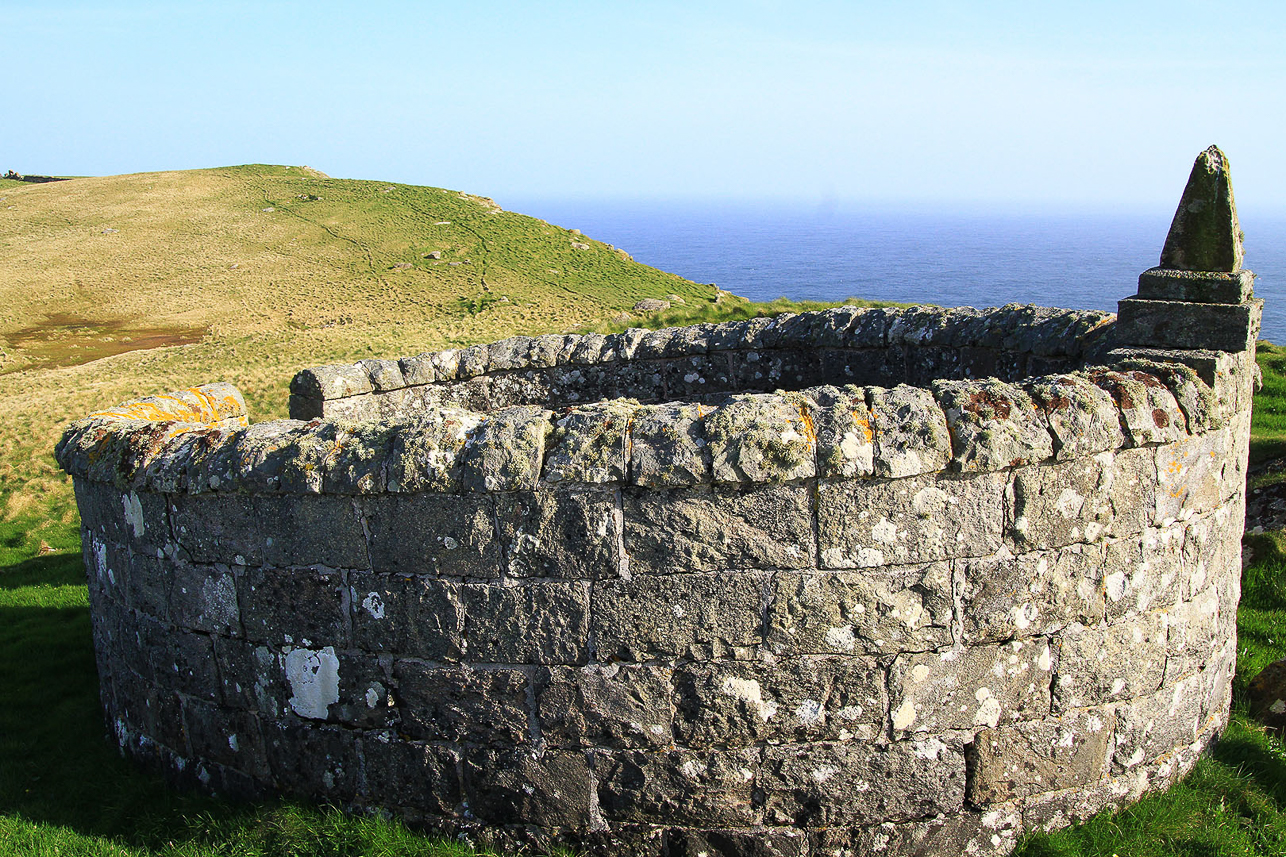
951 257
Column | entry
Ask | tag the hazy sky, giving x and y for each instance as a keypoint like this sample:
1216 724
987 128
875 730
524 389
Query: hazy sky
1103 104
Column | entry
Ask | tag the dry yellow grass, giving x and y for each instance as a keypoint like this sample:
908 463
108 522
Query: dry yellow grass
335 270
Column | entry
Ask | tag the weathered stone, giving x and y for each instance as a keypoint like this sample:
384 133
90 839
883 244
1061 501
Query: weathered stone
1150 726
551 788
918 519
1201 407
1025 759
1141 573
1133 491
542 622
1149 412
1205 234
148 582
508 353
1210 287
436 534
911 434
1193 475
604 705
791 369
698 616
1176 324
407 615
331 382
204 598
1098 665
712 788
1007 597
825 784
668 447
255 458
1193 636
703 529
697 376
252 677
505 452
294 606
365 691
754 842
462 704
624 344
226 737
740 703
313 530
560 533
314 760
420 370
1062 504
902 609
976 686
760 438
1056 810
385 375
992 833
1081 416
589 443
425 454
409 774
845 439
589 349
993 425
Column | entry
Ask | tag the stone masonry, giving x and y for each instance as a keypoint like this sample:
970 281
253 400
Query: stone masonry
904 581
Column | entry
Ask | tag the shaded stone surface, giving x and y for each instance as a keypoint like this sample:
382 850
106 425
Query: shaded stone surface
1205 234
1267 696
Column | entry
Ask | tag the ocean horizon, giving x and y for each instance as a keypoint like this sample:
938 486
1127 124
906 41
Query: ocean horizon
950 256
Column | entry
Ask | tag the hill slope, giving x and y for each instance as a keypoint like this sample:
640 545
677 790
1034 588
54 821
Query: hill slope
249 273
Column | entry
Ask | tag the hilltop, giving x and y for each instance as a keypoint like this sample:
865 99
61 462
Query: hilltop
120 286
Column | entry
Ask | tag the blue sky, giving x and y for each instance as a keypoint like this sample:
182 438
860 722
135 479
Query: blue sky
1102 105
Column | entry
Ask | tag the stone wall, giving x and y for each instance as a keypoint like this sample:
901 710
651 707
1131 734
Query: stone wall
831 619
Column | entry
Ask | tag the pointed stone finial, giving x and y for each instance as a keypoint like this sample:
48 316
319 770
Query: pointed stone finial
1205 234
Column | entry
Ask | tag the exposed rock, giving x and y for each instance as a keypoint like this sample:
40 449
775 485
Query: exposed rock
1205 234
651 305
1267 696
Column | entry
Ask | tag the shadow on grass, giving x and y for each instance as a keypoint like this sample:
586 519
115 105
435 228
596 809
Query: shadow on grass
55 569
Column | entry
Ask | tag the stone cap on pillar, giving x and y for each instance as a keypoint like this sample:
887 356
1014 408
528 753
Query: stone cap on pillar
1198 297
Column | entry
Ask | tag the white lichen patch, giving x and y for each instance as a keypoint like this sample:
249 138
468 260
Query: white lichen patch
809 712
134 513
904 716
314 681
749 692
373 605
841 638
885 532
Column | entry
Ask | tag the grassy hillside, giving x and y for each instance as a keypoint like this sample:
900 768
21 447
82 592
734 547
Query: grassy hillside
248 274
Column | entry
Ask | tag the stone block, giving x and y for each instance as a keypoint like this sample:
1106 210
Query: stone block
589 443
1142 573
1193 637
404 773
550 789
462 704
771 369
1151 726
437 534
845 439
1149 412
826 784
148 581
425 453
911 434
605 705
992 833
313 760
753 842
697 376
204 598
1026 759
563 532
252 677
1193 475
505 452
1056 810
697 616
226 737
668 446
1133 491
703 529
1081 416
760 438
337 381
541 622
643 381
912 520
420 370
407 615
1065 503
219 528
1198 402
365 691
869 366
294 606
185 663
869 612
517 389
742 703
977 686
1175 324
994 425
1117 662
712 788
1033 594
313 530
